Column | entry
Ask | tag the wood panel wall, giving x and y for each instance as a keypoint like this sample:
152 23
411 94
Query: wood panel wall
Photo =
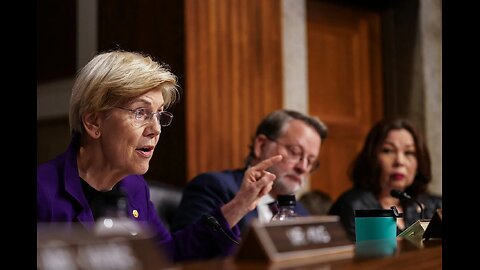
155 27
233 78
56 39
345 85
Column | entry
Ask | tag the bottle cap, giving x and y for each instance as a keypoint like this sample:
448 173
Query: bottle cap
286 200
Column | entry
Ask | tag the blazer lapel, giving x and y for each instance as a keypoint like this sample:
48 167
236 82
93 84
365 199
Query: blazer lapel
73 187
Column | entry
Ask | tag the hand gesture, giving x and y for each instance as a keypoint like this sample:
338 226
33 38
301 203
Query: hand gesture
256 183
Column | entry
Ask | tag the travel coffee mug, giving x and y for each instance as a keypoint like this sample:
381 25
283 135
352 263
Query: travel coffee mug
376 232
376 224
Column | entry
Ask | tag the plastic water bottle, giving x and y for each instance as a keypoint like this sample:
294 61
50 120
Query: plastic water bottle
286 208
114 219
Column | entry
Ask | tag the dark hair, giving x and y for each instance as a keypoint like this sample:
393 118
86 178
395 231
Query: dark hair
272 125
365 170
316 201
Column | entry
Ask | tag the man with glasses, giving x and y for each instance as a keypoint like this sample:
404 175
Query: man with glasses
295 136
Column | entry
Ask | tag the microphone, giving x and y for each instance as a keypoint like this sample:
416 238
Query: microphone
215 225
404 196
400 194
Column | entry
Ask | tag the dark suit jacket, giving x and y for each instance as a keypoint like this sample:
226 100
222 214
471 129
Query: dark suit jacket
359 199
60 198
208 191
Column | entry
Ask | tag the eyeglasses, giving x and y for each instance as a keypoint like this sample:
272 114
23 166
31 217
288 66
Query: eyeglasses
296 154
143 116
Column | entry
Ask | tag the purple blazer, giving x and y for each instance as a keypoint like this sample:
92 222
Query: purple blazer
60 198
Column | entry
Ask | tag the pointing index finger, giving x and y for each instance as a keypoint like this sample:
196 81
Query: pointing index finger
268 162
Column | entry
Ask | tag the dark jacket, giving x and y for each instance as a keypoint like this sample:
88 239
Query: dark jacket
359 199
60 198
208 191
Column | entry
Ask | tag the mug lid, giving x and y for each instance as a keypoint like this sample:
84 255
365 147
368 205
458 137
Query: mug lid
376 213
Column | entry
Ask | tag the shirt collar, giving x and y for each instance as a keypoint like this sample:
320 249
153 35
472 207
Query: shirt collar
266 199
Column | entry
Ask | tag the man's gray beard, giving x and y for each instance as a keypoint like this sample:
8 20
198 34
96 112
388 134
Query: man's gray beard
280 188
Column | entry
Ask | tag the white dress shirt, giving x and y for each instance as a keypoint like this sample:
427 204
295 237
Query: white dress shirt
264 212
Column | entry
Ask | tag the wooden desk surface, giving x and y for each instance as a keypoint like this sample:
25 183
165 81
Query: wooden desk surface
55 248
406 256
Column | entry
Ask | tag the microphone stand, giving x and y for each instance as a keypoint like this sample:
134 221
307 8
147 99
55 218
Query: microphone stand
404 196
421 207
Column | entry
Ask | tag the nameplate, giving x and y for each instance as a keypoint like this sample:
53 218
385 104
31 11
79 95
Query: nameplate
415 231
313 237
76 248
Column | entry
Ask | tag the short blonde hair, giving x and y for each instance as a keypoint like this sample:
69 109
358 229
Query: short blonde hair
114 77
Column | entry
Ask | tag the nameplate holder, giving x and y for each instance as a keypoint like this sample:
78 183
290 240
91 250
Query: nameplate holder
434 228
74 247
300 240
414 233
424 229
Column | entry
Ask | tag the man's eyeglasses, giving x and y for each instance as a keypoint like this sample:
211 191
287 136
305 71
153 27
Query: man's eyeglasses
143 116
296 154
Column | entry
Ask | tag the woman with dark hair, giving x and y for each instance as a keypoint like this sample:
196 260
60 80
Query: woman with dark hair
394 156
